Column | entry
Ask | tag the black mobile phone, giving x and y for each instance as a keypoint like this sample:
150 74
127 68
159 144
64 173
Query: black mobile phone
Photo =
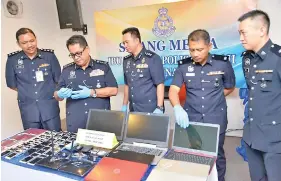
48 153
34 161
34 154
30 151
26 159
38 147
6 152
12 155
40 151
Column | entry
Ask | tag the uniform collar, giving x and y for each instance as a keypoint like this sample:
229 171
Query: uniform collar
139 55
264 50
209 61
91 64
39 55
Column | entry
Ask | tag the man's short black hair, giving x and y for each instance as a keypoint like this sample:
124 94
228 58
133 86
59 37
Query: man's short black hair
77 39
23 31
134 32
199 34
257 14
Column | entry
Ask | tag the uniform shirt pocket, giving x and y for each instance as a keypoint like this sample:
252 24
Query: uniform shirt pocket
265 81
191 82
272 129
97 82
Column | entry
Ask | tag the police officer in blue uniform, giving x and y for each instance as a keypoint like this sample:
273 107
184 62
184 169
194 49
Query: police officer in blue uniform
143 74
262 70
85 84
208 79
34 73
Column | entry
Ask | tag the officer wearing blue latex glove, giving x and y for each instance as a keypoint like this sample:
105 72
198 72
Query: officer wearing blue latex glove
81 94
158 111
181 116
64 93
208 79
124 108
91 81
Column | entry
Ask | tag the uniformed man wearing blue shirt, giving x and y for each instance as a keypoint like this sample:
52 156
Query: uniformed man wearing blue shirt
262 70
85 83
34 73
143 75
208 79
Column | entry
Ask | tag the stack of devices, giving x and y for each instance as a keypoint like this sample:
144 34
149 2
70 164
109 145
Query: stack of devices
45 145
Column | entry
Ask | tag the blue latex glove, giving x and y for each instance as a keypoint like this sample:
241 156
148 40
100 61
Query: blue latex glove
64 93
181 116
81 94
157 111
124 108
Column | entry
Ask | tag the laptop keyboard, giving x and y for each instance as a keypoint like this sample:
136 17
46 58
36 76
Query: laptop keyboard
189 157
144 150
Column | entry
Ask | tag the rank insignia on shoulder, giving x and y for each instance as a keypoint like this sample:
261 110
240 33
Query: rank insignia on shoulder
149 53
220 57
47 50
101 61
276 49
13 53
67 65
127 56
185 61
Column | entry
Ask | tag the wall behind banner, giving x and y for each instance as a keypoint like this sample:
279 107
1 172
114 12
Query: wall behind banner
46 27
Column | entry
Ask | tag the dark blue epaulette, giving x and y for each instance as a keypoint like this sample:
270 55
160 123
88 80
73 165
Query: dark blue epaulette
13 53
247 53
47 50
185 61
68 65
101 62
220 57
127 56
276 49
149 53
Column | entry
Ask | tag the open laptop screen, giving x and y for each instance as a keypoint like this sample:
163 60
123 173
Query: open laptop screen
196 137
106 121
148 127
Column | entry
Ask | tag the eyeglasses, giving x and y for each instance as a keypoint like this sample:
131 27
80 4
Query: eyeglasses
78 54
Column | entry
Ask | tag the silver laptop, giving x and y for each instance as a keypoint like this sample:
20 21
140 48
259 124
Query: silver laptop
107 121
198 143
147 134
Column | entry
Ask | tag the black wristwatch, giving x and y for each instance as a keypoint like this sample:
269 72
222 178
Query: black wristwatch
160 107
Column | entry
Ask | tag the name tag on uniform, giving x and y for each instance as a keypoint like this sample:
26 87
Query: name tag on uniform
263 71
190 74
215 73
142 66
39 76
96 72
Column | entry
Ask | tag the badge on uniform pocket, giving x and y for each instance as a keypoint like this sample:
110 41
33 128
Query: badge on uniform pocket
39 76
